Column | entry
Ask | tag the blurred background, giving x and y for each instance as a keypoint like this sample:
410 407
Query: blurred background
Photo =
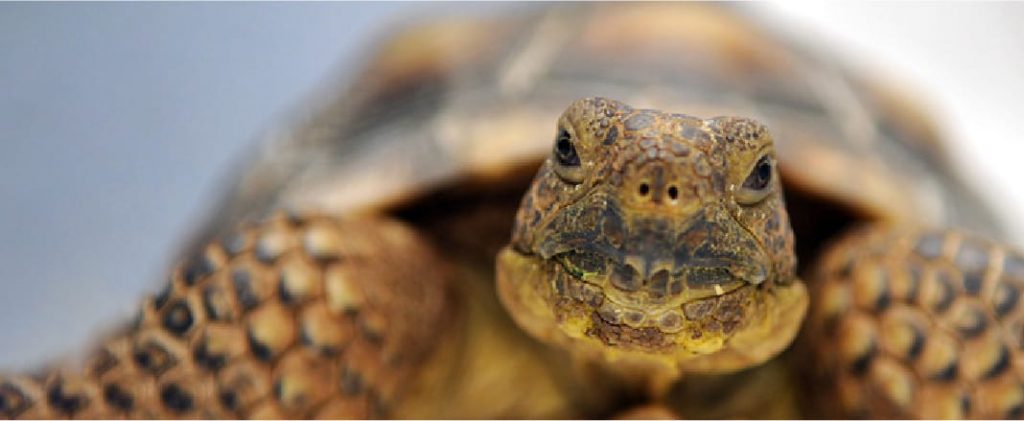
119 122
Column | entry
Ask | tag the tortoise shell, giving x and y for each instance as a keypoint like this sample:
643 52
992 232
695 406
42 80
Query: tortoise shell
449 120
472 102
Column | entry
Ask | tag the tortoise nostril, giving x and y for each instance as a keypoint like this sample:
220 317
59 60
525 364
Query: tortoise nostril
644 189
673 192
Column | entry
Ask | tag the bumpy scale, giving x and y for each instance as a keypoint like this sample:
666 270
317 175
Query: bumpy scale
922 324
650 246
293 318
656 240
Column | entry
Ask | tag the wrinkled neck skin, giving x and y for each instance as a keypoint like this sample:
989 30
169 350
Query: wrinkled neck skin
655 241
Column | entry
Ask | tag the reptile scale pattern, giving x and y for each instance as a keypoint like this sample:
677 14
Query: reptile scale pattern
295 317
919 325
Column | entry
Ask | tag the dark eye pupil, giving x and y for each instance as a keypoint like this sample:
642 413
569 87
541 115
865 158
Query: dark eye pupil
761 176
564 146
565 151
764 172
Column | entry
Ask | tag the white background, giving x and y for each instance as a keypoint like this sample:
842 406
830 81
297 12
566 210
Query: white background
119 121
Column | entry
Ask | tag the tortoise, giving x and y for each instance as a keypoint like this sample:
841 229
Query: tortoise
475 229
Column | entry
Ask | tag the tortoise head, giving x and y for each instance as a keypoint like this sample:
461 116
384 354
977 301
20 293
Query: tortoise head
655 237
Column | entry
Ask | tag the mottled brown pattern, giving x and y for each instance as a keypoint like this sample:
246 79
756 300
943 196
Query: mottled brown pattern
296 317
634 231
918 324
619 334
654 246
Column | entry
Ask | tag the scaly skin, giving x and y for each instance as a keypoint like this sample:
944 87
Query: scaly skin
295 317
918 323
613 241
647 240
649 245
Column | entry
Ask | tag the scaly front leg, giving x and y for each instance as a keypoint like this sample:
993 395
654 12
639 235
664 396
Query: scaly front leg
922 324
293 318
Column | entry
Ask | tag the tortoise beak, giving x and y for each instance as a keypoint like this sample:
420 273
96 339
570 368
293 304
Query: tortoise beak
706 253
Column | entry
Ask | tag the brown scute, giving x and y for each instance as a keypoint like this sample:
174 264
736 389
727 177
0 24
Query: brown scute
207 353
948 349
620 335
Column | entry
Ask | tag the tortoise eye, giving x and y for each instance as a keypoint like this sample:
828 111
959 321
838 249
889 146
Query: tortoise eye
567 160
565 151
757 185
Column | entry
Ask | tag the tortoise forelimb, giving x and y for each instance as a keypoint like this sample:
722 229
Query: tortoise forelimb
919 323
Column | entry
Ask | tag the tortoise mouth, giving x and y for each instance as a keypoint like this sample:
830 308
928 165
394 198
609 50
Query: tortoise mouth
736 326
685 329
656 262
665 301
637 281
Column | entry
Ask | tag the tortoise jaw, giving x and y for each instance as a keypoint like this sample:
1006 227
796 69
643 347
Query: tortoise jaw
743 325
700 326
652 261
639 282
675 287
667 303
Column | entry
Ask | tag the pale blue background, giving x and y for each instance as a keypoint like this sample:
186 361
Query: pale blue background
118 121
